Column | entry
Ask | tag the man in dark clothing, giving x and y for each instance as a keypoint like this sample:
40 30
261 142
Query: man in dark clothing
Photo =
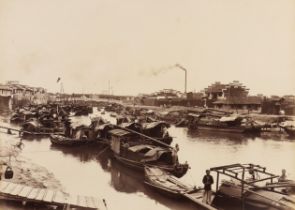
207 181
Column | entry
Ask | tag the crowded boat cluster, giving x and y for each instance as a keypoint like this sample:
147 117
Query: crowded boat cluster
140 140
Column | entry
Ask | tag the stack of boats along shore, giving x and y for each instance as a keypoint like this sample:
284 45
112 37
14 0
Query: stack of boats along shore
143 143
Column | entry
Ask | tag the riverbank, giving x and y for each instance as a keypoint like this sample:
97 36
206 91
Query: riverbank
25 171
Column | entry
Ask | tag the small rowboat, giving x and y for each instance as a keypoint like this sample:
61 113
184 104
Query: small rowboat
169 185
66 141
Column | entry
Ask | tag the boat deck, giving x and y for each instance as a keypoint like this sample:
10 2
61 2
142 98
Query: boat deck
23 193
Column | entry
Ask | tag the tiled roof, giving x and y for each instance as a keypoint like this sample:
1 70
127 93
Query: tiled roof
4 87
216 87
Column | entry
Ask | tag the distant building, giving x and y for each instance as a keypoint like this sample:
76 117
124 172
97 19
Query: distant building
277 105
231 96
215 91
5 91
167 93
20 92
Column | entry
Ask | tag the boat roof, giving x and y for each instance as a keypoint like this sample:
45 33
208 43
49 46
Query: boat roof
126 125
155 124
155 152
139 147
119 132
236 171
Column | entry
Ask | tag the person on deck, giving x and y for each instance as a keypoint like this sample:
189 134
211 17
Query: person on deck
207 181
252 171
283 177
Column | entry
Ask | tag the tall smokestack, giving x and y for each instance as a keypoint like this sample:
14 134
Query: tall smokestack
185 76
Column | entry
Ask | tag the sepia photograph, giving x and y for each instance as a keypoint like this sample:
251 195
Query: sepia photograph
150 105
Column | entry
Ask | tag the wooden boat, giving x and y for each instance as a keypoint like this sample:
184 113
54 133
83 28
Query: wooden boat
66 141
135 152
34 127
232 124
167 184
251 190
22 116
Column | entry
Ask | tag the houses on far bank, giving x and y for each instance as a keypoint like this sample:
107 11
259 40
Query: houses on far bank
232 96
17 92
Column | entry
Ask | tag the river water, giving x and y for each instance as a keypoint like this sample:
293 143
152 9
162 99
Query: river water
90 170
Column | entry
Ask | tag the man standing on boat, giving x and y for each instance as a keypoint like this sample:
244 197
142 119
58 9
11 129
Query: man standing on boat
207 181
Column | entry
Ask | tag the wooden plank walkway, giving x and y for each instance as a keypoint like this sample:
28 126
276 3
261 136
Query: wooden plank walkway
12 191
197 198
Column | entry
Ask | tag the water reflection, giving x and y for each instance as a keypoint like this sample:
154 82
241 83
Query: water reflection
217 138
123 180
87 153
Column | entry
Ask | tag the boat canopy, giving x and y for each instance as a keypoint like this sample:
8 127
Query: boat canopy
119 132
151 153
140 147
152 125
130 125
155 152
32 124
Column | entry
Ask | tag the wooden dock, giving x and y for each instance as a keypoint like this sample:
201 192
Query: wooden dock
23 193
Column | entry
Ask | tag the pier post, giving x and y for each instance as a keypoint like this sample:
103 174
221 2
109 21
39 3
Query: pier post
242 191
217 181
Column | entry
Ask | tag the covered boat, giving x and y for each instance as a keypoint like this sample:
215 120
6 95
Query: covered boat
133 151
227 123
34 127
22 116
157 130
248 185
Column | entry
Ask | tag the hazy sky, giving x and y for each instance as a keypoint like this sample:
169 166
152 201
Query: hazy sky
132 43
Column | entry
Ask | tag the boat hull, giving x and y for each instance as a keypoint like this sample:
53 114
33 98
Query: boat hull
164 191
228 130
259 199
176 171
